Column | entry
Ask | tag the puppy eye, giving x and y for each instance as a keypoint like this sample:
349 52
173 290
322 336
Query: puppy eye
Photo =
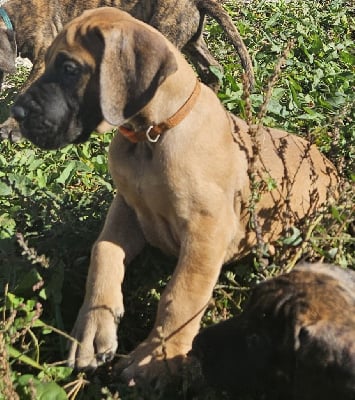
70 69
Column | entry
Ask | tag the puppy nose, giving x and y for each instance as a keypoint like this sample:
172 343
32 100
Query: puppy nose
19 113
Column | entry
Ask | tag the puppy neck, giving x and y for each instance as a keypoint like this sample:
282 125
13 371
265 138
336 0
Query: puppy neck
155 130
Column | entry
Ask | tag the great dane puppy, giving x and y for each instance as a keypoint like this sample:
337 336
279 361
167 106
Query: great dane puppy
295 339
27 27
180 162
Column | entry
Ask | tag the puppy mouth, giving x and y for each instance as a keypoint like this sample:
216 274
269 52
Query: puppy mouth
50 135
46 123
52 144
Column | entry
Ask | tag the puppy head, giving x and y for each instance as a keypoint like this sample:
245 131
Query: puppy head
104 66
295 339
234 356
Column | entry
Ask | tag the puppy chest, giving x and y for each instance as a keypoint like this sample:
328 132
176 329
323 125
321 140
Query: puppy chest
154 207
161 233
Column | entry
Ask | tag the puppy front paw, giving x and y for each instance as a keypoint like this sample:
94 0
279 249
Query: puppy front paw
95 334
152 363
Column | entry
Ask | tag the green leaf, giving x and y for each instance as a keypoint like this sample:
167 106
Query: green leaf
41 178
5 189
66 173
316 43
13 300
44 390
294 239
218 72
56 373
7 226
21 182
15 354
311 115
35 164
336 214
275 107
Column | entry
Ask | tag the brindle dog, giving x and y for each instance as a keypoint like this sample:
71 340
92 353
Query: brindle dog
34 24
295 339
181 164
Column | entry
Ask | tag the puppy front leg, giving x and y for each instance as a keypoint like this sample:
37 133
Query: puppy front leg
182 303
96 325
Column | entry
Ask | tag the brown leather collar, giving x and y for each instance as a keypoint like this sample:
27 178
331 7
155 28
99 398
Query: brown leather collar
153 133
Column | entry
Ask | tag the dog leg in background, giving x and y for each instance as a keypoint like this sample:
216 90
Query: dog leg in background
9 129
202 59
7 52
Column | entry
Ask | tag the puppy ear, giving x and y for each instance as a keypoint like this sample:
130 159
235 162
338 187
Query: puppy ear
135 63
8 51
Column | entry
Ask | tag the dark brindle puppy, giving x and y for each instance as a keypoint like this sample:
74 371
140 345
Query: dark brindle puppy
295 339
33 24
180 162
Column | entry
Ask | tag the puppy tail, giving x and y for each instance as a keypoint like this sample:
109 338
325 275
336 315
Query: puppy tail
217 12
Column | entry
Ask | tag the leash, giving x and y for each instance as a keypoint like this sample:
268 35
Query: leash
153 133
6 19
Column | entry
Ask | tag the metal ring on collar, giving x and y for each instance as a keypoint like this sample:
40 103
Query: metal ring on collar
150 139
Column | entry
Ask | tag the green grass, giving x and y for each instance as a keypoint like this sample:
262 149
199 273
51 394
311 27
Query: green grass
52 204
